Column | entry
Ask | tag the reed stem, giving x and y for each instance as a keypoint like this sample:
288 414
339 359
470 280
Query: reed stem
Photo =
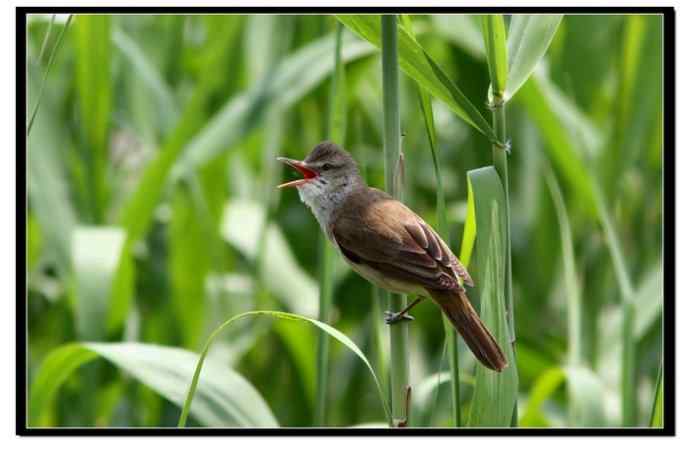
336 132
400 366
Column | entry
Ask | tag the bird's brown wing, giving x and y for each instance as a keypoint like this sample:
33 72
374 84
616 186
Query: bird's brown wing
376 230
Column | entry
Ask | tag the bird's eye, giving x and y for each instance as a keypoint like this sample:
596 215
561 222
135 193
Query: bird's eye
326 167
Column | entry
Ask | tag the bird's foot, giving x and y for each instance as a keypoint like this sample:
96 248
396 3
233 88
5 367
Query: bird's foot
392 318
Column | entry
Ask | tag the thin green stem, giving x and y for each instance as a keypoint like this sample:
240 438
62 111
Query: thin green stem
325 302
399 372
44 44
500 156
335 131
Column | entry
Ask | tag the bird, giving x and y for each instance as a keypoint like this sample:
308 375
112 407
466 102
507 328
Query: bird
389 245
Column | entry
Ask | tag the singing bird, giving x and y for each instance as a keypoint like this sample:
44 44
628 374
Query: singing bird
388 244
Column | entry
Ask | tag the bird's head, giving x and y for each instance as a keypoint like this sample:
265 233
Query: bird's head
328 172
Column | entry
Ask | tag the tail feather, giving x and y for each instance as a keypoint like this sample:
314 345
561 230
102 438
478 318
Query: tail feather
458 309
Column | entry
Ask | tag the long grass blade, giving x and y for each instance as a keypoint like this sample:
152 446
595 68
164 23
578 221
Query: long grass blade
332 332
224 397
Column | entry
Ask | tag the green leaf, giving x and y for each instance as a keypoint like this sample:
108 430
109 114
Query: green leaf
495 393
542 389
528 39
102 280
93 53
418 65
332 332
224 398
493 30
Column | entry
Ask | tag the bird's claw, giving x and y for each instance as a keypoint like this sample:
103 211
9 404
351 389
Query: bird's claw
392 318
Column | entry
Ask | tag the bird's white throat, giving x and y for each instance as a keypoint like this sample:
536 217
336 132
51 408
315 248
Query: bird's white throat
324 196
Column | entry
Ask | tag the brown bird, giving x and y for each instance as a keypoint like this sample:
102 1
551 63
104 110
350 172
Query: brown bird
388 244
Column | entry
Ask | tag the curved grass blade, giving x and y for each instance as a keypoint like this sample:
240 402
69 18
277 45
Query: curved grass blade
334 333
418 65
225 398
528 39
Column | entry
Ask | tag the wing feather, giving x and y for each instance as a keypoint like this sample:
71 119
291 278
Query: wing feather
376 230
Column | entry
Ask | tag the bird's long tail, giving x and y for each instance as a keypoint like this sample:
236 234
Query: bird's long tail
458 308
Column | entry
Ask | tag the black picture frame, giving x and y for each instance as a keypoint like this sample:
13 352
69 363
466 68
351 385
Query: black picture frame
669 320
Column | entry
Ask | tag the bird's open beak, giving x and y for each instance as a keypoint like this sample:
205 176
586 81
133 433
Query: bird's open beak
300 167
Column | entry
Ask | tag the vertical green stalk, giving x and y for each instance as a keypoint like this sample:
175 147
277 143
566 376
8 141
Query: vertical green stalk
336 132
399 370
493 32
325 302
500 157
451 333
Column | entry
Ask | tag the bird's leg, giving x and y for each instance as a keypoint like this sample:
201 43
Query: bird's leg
392 318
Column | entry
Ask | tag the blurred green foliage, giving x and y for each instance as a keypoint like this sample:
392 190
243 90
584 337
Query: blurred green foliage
153 217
